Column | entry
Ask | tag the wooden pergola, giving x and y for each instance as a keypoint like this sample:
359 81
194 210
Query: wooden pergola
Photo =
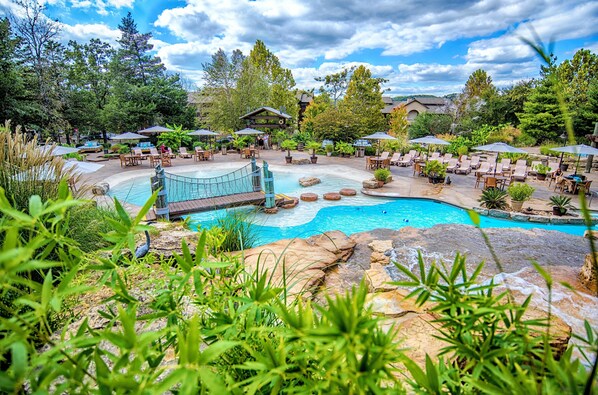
267 118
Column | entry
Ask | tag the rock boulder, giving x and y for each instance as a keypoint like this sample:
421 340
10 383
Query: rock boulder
587 276
309 181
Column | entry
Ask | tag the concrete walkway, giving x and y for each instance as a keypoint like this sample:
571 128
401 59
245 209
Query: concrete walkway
460 192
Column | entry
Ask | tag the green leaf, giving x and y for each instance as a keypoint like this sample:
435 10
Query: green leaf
35 205
547 278
19 359
215 350
475 217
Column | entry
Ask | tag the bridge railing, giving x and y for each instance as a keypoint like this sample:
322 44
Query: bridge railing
183 188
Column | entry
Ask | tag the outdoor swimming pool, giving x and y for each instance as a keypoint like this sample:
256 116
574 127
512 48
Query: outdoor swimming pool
349 215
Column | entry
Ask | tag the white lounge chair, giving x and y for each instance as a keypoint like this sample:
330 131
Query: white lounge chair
484 168
475 162
396 157
464 167
447 158
452 165
406 161
506 163
520 173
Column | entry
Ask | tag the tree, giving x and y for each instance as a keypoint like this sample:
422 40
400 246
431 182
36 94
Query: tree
477 92
479 85
398 124
426 123
364 102
541 117
335 124
320 104
335 85
90 84
43 56
134 60
12 86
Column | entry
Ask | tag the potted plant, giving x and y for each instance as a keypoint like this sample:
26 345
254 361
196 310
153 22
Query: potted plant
345 149
493 198
435 171
519 193
381 175
313 146
289 145
541 171
560 204
329 149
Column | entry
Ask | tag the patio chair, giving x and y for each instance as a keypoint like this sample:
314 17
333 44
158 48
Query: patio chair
170 153
490 182
506 163
452 165
406 161
413 153
123 160
447 158
520 173
464 167
475 162
479 177
498 169
395 158
198 156
208 155
154 153
184 154
166 160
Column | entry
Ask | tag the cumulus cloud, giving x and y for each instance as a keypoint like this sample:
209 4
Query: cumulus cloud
102 7
85 32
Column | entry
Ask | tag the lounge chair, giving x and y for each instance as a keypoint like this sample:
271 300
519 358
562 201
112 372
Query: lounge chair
464 167
184 154
384 155
170 153
506 163
475 162
484 168
520 173
498 169
435 156
521 162
154 153
396 157
139 153
452 165
90 146
447 158
406 161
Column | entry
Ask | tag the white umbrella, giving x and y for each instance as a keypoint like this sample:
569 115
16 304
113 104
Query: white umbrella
248 132
579 150
128 136
57 150
499 147
379 136
79 167
155 129
203 132
428 141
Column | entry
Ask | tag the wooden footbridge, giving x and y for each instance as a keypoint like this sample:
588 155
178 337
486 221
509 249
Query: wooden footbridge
180 195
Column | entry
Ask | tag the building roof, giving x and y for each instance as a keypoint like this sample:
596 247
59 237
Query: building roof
431 101
269 109
387 99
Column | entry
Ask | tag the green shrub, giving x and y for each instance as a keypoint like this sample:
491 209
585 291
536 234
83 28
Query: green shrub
382 174
546 149
542 169
313 146
525 140
520 192
493 198
88 224
289 145
562 203
435 169
345 148
237 231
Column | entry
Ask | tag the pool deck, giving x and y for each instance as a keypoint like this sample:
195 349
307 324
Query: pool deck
460 192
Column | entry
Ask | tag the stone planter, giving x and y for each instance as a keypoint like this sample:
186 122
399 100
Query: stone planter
516 205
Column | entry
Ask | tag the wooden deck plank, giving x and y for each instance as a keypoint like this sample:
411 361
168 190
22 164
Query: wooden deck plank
178 209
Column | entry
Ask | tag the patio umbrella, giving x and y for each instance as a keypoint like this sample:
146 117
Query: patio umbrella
154 130
379 136
128 136
46 172
428 141
578 150
57 150
248 132
79 167
203 132
499 147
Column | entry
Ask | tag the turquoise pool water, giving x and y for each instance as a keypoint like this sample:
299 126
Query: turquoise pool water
395 214
350 215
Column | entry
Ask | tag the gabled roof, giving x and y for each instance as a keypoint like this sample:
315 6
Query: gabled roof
431 101
387 99
269 109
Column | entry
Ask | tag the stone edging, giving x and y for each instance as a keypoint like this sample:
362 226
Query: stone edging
521 217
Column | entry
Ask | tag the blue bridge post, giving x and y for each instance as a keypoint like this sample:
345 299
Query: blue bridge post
158 182
269 190
256 176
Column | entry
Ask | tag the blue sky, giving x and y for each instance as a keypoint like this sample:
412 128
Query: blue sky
420 47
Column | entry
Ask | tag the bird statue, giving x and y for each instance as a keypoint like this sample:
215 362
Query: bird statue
142 250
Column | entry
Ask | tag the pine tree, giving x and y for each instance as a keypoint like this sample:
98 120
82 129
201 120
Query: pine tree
541 117
364 102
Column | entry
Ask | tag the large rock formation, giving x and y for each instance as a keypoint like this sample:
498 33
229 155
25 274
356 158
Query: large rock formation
309 181
587 276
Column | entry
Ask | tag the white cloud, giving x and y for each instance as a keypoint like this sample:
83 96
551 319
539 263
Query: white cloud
85 32
102 6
